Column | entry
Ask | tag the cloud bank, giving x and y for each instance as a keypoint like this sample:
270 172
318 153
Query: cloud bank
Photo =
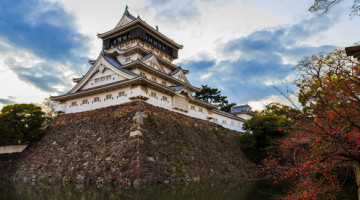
254 64
40 43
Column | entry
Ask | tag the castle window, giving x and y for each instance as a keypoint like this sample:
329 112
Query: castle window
108 77
84 101
108 96
96 99
238 124
127 59
215 120
223 122
153 79
164 98
153 94
232 124
102 78
119 39
163 83
122 93
73 103
142 74
201 110
97 80
192 107
124 37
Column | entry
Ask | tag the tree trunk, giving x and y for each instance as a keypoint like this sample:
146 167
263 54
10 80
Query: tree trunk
356 167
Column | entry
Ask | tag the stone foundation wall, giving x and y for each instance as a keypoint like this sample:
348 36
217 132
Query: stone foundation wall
131 144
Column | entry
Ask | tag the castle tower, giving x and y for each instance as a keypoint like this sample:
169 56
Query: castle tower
136 64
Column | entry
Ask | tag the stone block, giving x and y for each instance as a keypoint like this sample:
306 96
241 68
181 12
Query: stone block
135 133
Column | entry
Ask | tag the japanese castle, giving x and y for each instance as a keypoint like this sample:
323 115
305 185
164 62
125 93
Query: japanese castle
136 64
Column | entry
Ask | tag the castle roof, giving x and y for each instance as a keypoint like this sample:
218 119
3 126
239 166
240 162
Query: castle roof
124 25
241 109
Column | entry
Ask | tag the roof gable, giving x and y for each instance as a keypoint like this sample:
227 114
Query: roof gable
179 74
152 61
125 19
103 62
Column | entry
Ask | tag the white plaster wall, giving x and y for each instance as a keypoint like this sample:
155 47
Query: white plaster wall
91 105
133 57
195 113
156 101
114 77
237 123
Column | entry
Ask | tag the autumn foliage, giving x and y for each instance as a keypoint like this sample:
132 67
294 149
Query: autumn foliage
325 139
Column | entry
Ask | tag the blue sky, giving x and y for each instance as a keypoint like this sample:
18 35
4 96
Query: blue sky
244 48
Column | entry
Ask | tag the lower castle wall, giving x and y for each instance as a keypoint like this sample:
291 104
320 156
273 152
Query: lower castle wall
98 146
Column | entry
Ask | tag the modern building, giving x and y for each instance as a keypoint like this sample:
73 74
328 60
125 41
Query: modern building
136 64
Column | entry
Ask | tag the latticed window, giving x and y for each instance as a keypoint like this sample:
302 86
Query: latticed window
153 94
192 107
153 79
163 83
164 98
108 77
201 110
96 99
127 59
122 93
73 103
84 101
223 122
97 80
102 78
108 96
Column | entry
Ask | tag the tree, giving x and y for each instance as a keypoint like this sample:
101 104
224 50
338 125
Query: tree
48 107
323 6
20 123
213 95
325 137
263 132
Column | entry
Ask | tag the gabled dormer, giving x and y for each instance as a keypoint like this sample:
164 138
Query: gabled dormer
151 60
179 74
105 70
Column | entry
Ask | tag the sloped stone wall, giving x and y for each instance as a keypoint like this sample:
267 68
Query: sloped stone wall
96 147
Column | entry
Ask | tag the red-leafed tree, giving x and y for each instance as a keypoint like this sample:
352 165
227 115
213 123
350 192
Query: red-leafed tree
325 139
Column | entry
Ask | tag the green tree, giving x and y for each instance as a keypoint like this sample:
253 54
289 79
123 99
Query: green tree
264 130
20 123
213 95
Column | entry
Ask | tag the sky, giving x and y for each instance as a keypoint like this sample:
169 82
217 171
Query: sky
246 48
